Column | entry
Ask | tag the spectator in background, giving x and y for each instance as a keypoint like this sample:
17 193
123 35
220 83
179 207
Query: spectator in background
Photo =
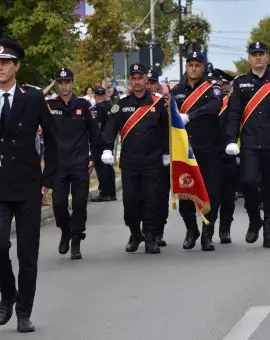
89 95
112 92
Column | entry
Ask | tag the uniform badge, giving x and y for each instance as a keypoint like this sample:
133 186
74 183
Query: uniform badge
1 49
217 90
257 45
149 75
116 107
210 74
195 55
136 67
63 73
79 112
22 90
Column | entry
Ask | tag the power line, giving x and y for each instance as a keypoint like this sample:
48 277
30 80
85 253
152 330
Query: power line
232 32
228 38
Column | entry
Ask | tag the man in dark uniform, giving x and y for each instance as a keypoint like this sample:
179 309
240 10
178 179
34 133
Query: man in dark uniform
142 120
249 116
22 110
164 189
199 101
229 174
105 172
76 129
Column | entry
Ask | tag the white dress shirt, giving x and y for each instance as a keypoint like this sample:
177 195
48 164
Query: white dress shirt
10 97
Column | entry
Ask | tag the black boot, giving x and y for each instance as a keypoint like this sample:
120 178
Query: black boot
192 232
76 245
225 236
25 325
64 242
160 241
255 225
151 246
6 309
206 239
134 241
266 233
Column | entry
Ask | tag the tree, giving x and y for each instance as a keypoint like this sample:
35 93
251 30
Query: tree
45 28
196 31
259 33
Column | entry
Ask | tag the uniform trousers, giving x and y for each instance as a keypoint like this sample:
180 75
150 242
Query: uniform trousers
211 169
27 217
163 198
140 198
255 172
228 190
106 178
75 181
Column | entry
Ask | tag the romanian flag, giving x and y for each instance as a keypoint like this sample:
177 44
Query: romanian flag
186 179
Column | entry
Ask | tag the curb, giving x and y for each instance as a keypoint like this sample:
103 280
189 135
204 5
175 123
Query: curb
47 215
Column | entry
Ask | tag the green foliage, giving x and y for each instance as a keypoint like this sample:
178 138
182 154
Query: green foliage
259 33
45 28
196 31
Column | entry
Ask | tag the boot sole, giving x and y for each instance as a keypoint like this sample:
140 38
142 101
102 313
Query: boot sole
131 251
209 249
151 252
193 244
225 241
30 330
76 257
64 252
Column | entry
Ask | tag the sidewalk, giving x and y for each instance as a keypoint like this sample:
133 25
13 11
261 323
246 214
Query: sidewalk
47 215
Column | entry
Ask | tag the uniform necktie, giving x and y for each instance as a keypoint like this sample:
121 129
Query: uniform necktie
6 111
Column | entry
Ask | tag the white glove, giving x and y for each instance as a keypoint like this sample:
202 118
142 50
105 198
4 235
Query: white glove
184 118
166 160
107 157
232 149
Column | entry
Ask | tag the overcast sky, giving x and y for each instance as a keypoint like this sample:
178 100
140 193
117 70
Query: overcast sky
231 21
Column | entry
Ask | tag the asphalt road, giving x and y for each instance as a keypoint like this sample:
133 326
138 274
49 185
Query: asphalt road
177 295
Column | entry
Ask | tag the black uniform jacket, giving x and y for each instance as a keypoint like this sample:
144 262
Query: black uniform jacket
20 172
256 131
77 127
148 140
204 128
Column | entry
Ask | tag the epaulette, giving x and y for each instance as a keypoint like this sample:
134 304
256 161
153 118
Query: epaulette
82 98
213 81
241 75
158 95
54 98
32 86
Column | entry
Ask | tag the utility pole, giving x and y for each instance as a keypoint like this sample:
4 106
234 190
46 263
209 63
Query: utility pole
188 15
153 36
181 39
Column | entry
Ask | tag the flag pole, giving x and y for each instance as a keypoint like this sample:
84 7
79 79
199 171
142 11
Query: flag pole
170 141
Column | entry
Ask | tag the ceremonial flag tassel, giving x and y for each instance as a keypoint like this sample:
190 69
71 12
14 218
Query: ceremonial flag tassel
186 179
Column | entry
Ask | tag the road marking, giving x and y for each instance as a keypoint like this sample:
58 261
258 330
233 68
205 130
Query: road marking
249 323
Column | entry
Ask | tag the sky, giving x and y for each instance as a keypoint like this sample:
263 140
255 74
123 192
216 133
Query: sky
231 22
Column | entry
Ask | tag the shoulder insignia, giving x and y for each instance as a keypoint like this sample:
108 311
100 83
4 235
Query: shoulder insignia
51 99
32 86
213 81
82 98
115 108
217 90
241 75
158 95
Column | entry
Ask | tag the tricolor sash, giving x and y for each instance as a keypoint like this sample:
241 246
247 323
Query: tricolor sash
136 117
254 102
195 96
224 105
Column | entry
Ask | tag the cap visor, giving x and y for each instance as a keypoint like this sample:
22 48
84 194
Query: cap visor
137 71
64 78
8 57
257 50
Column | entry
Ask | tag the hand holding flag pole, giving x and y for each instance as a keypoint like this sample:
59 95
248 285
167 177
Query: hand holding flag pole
186 179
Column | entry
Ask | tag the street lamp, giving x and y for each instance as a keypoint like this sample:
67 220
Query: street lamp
181 10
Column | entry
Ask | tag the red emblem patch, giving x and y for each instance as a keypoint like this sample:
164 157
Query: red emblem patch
78 112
